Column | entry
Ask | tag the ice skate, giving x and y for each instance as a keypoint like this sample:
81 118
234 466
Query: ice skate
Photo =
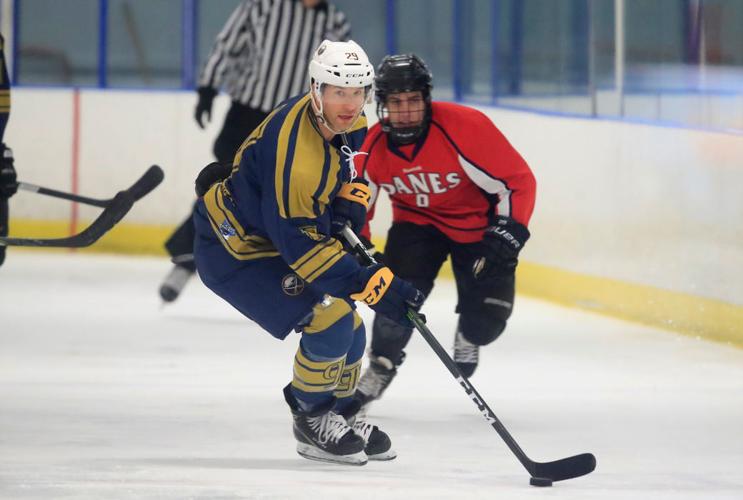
466 355
174 282
378 444
376 378
325 436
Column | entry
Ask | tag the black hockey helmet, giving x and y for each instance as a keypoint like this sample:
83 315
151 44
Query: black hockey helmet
402 73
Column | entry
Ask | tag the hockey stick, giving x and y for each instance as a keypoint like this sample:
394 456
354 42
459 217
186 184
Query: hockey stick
96 202
542 473
185 258
115 210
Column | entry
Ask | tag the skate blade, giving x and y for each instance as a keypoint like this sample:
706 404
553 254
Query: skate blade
384 456
168 294
314 453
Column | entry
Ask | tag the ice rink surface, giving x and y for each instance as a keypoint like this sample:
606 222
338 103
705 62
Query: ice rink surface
104 394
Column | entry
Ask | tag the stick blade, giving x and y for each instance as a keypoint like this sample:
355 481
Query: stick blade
149 181
114 212
566 468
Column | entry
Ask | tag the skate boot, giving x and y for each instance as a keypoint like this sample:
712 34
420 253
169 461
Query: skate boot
377 443
174 282
324 435
375 379
466 354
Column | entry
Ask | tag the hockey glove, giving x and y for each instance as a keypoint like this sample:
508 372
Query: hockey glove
502 243
204 106
388 295
210 175
8 181
349 206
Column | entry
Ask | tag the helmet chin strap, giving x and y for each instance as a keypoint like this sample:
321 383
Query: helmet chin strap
320 114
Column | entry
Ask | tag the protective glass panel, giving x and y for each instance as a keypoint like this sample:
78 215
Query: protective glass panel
368 26
547 55
475 48
429 36
51 52
144 43
211 17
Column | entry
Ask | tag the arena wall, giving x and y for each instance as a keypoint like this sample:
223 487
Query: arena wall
638 221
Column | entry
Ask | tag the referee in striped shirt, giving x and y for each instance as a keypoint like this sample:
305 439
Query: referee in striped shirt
260 59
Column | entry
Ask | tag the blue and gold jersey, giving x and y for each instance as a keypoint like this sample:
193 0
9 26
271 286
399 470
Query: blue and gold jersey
277 199
4 90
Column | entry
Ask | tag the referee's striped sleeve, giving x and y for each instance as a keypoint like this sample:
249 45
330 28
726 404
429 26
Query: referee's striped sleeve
341 27
233 37
260 58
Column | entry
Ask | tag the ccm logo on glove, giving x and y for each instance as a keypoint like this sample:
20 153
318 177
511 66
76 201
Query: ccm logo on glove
356 191
375 287
349 206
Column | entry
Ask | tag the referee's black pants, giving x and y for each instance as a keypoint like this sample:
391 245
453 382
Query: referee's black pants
238 124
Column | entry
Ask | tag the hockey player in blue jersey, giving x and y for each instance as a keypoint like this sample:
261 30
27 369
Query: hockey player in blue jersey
8 181
267 242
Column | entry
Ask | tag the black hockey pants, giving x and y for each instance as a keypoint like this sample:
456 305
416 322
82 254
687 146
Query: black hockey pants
416 253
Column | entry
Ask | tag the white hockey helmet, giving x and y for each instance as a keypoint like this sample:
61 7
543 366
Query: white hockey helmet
343 64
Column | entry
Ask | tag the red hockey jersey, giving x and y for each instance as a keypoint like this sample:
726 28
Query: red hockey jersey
464 172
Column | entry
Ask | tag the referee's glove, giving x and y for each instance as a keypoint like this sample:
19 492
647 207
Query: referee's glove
204 106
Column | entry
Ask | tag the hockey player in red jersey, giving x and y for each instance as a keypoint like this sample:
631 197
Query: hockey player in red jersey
459 189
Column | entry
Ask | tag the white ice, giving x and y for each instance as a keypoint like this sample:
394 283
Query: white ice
104 394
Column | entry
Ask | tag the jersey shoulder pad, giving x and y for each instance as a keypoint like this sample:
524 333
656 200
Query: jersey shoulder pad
458 113
280 113
461 123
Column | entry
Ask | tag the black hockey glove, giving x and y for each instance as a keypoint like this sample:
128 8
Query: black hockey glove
204 106
8 180
210 175
502 243
388 295
349 206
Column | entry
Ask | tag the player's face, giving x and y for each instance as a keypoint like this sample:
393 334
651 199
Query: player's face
406 109
342 105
